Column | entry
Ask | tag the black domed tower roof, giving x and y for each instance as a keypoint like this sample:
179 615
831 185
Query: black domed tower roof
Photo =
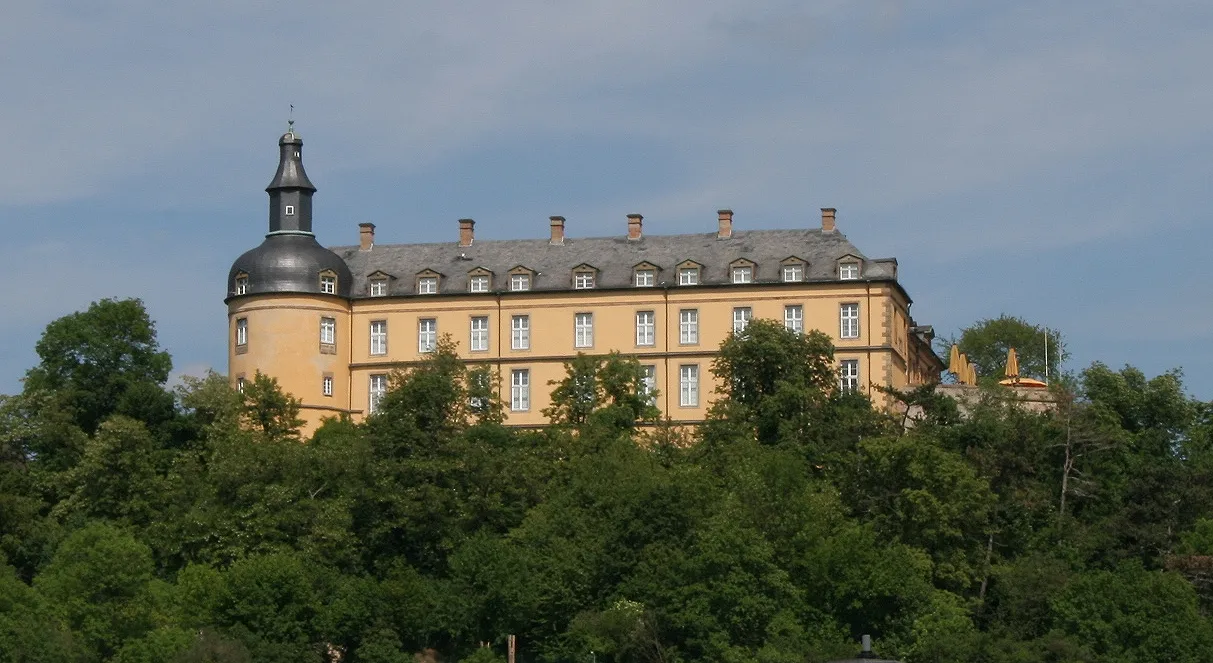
290 259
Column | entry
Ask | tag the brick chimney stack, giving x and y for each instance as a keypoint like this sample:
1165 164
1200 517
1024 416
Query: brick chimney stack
634 226
725 230
557 229
366 236
466 232
827 219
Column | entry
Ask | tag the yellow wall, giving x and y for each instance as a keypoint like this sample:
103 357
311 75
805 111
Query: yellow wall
284 337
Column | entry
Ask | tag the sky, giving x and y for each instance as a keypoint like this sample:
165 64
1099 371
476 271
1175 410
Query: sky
1049 160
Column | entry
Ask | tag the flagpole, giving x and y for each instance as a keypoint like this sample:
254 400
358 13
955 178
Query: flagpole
1046 355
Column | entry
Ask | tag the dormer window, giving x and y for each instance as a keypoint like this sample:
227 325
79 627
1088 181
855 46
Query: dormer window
328 283
378 287
793 270
242 284
520 282
743 274
480 280
427 285
289 211
583 277
645 277
688 276
848 271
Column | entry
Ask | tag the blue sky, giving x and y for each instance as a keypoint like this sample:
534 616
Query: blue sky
1042 159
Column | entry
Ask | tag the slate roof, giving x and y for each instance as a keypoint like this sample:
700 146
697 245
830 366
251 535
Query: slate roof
614 257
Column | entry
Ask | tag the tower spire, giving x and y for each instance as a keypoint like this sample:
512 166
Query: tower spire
291 190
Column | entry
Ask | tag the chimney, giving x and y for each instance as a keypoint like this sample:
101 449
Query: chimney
557 229
726 224
827 219
634 225
366 236
466 234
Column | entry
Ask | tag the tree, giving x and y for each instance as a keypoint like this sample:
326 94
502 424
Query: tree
92 358
609 390
987 342
270 411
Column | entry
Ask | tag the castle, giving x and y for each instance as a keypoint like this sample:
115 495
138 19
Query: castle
332 323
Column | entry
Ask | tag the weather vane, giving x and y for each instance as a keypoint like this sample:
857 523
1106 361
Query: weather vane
290 121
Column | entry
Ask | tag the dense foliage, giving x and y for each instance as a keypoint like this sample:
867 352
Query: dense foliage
142 524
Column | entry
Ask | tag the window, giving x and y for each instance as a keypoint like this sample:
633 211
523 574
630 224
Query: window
379 337
646 328
520 332
480 334
583 280
848 271
520 282
650 383
328 284
793 273
645 278
583 326
849 321
427 334
240 384
427 285
290 210
741 318
793 318
688 326
328 331
520 390
743 274
326 385
242 285
478 283
848 375
688 276
378 389
688 385
241 331
378 287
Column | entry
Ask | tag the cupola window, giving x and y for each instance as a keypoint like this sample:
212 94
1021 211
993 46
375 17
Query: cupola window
328 283
242 284
289 211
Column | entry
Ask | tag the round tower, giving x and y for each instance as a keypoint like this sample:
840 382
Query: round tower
288 300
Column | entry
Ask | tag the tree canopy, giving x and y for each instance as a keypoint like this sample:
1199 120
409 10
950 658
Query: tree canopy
987 342
142 524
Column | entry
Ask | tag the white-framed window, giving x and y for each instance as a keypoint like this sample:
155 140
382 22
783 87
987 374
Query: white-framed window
427 285
650 383
848 271
479 341
289 211
688 276
646 278
328 284
328 330
688 385
793 272
520 389
427 334
520 282
520 332
478 283
583 280
848 321
241 285
793 318
741 318
377 390
241 331
583 330
378 287
848 375
240 384
688 326
326 385
379 337
646 328
743 274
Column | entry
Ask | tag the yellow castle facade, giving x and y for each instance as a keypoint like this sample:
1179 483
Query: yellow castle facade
331 324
